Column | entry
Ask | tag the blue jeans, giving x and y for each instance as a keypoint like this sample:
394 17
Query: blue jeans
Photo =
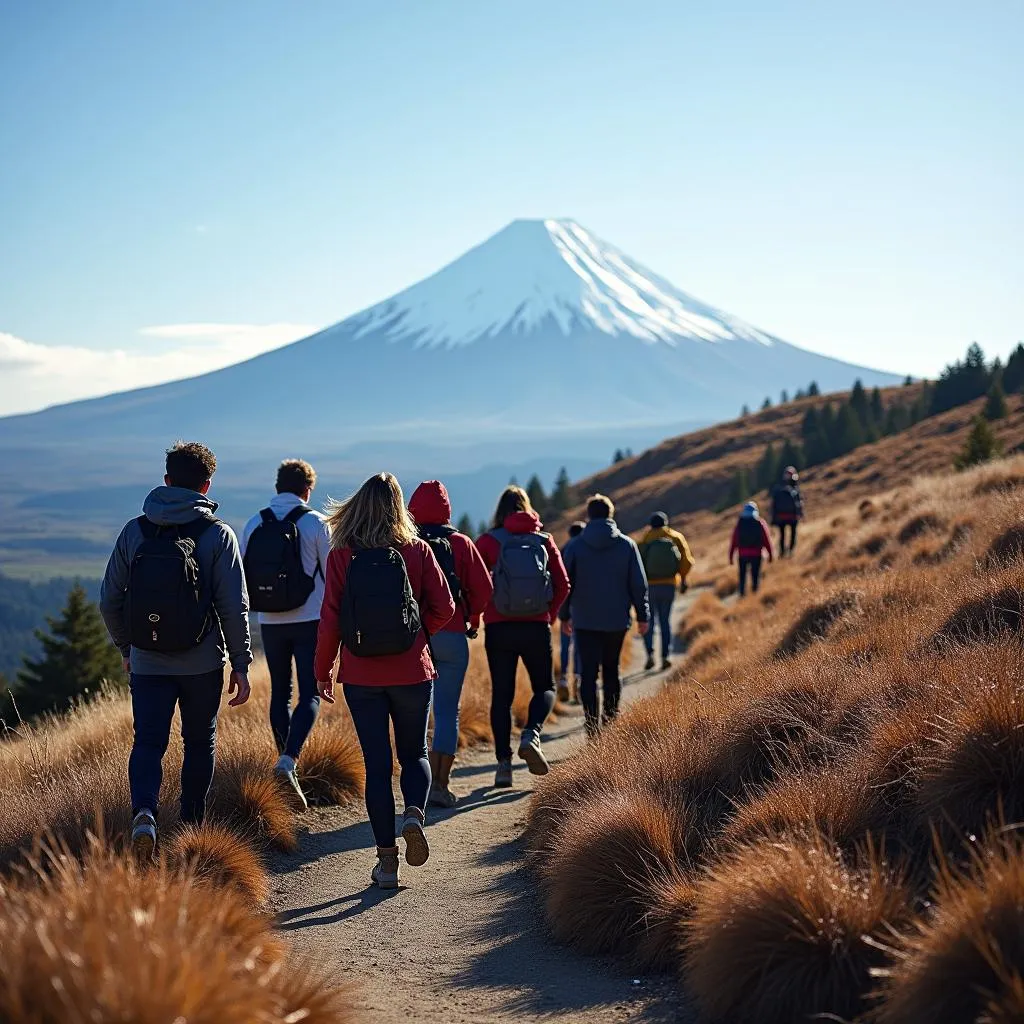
373 709
451 658
283 642
662 595
153 701
567 642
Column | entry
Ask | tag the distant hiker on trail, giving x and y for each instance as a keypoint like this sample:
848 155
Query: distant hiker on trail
284 552
470 585
569 649
787 508
607 581
530 585
385 595
667 562
750 538
173 599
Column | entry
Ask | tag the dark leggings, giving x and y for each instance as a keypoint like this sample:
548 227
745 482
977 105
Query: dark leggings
600 650
754 566
153 701
373 709
283 642
782 537
506 643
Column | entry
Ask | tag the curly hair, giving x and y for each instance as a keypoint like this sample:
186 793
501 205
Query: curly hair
190 465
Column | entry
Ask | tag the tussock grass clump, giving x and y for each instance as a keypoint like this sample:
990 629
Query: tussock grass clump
1007 548
964 961
704 649
222 859
918 526
695 627
331 767
816 621
867 509
615 852
872 545
100 940
726 586
778 932
823 544
990 616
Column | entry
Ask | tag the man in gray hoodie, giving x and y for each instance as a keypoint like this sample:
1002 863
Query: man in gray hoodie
179 559
608 583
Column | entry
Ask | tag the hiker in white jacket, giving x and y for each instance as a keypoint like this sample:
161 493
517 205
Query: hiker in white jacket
284 551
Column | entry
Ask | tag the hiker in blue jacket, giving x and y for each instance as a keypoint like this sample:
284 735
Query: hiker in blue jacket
608 583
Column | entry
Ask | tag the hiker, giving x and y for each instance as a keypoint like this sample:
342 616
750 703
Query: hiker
568 647
750 538
608 583
667 562
284 551
173 599
470 585
385 596
787 508
530 585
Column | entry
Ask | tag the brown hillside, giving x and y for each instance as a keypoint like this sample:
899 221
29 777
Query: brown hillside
688 476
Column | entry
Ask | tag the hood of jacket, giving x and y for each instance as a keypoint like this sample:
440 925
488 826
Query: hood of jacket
657 533
429 504
600 533
174 506
522 522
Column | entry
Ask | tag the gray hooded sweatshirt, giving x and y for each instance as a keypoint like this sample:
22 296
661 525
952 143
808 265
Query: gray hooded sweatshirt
607 578
220 570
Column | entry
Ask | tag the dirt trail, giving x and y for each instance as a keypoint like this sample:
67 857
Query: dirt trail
464 941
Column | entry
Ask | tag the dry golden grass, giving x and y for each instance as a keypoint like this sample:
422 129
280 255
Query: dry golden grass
805 729
217 856
99 940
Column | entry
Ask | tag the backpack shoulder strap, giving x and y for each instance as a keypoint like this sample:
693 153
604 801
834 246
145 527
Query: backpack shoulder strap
296 513
147 527
197 527
267 515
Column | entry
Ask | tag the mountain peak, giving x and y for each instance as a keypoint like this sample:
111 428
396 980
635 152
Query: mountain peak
554 274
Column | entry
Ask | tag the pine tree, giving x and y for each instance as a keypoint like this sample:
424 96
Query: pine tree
482 528
77 658
561 495
981 445
745 411
767 403
859 403
907 381
995 403
465 524
791 455
739 489
1013 374
813 390
618 457
767 469
784 397
535 492
849 433
800 393
877 407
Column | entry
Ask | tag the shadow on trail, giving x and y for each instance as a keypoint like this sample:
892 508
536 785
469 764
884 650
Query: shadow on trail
519 953
371 896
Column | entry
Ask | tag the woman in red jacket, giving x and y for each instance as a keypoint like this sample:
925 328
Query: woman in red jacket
470 584
750 537
530 584
384 594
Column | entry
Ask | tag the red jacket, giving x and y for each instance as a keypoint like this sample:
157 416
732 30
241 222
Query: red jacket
430 506
766 544
430 589
526 522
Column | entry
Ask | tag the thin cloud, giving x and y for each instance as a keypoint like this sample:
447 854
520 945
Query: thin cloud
33 376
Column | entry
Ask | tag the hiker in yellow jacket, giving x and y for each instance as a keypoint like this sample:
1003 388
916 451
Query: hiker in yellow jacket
667 562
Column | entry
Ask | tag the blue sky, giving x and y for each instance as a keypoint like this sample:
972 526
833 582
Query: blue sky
186 183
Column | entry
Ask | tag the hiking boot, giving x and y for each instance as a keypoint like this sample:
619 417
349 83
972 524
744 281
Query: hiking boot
666 664
144 837
290 779
416 849
563 691
503 776
442 796
530 751
440 792
386 873
649 663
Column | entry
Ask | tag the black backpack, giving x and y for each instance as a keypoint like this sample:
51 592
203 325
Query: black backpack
750 535
379 614
439 539
274 573
786 498
169 608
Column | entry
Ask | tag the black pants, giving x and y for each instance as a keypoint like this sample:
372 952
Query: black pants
506 643
599 650
154 699
283 643
374 709
782 537
754 567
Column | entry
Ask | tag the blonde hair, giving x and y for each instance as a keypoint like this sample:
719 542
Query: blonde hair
513 499
374 517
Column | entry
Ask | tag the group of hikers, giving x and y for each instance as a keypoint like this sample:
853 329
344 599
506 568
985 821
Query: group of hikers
398 593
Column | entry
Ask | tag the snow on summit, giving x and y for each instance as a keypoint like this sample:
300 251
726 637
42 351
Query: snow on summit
547 273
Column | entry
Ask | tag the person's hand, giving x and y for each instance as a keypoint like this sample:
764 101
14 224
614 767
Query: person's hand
643 628
126 664
567 627
326 689
238 684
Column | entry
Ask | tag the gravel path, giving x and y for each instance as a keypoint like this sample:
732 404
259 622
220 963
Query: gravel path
464 940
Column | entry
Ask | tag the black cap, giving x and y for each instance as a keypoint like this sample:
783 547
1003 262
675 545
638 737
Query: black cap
575 529
659 519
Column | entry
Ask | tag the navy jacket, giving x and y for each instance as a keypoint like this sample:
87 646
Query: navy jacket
607 578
